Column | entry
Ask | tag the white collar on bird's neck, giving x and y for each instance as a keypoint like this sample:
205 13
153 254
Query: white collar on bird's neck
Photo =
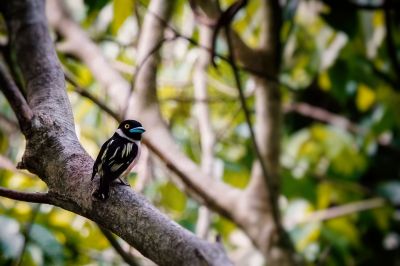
122 134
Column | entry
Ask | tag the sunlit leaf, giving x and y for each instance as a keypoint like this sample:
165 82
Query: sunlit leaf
122 10
172 198
365 97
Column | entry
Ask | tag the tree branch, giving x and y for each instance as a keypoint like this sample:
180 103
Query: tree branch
270 187
323 115
202 114
339 211
16 99
25 196
85 93
127 257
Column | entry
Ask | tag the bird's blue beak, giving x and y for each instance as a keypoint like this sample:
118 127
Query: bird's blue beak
137 130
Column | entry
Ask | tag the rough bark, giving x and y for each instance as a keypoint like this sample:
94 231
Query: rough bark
54 153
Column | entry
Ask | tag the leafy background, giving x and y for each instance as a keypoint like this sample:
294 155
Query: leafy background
335 59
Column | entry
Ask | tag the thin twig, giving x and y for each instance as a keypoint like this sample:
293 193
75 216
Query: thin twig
14 71
256 72
26 234
16 99
339 211
220 134
323 115
37 197
126 256
85 93
271 198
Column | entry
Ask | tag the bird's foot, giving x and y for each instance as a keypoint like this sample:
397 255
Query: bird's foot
122 182
99 195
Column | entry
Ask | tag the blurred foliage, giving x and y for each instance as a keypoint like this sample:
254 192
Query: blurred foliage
335 58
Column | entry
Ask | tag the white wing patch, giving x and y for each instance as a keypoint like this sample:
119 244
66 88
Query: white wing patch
123 151
115 153
129 148
116 166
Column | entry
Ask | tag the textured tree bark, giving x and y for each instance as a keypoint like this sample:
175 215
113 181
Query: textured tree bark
54 153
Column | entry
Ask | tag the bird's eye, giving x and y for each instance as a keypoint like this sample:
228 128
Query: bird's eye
126 126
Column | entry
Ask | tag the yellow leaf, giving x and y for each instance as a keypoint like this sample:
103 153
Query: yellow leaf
122 10
345 228
378 19
365 97
324 81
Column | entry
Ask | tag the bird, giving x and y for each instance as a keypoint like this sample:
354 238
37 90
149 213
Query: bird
117 156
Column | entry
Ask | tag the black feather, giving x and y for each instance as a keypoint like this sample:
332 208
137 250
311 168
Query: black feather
114 158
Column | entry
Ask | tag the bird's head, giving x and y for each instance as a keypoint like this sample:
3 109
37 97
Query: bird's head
132 129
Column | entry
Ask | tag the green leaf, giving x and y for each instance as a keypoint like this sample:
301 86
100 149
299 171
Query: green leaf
95 5
122 10
365 97
172 198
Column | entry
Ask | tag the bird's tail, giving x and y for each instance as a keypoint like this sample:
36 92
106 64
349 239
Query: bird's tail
102 193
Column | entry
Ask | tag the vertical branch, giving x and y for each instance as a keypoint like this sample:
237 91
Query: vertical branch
44 79
152 36
207 135
263 191
272 200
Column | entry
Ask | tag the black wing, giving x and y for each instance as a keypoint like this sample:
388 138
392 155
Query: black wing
98 159
118 155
